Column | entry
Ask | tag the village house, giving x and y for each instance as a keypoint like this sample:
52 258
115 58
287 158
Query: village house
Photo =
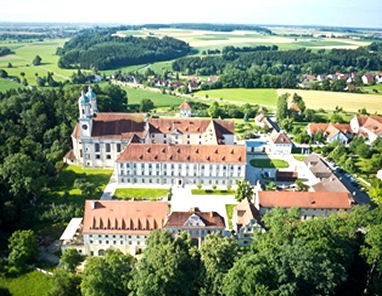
246 220
185 110
279 143
123 225
368 78
331 131
181 164
196 223
369 126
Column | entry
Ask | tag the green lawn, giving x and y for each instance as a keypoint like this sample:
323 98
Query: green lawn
136 95
211 191
33 283
62 190
6 84
300 157
265 97
269 163
229 209
140 193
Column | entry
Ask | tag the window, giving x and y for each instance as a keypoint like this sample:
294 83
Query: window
118 147
100 242
96 147
121 242
108 149
91 241
108 156
114 242
98 156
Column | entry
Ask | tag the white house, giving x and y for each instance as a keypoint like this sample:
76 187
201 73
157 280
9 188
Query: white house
279 143
181 164
185 110
331 131
367 125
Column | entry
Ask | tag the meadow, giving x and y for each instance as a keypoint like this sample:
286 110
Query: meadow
6 84
261 96
329 100
136 95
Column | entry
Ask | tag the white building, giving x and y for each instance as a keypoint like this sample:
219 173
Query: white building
196 223
185 110
332 131
369 126
123 225
181 164
280 144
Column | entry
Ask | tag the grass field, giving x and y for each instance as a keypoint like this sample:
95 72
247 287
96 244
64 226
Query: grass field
140 193
300 157
136 95
329 100
62 190
211 191
261 96
269 163
6 84
25 52
229 209
32 284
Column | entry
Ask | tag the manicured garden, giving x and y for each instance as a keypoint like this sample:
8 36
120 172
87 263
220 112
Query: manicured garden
269 163
300 157
212 192
141 193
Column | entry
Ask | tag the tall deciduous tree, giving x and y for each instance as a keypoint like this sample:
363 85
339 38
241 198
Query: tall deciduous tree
37 60
23 249
244 190
282 107
65 284
70 259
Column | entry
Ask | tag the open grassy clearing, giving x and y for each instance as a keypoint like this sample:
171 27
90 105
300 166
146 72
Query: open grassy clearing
141 193
212 191
136 95
25 52
33 283
269 163
63 191
329 100
6 84
229 209
261 96
373 89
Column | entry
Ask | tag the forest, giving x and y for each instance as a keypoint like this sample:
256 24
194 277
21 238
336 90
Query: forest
99 49
273 68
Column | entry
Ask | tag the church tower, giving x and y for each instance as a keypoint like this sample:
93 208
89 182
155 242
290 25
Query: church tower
86 115
93 100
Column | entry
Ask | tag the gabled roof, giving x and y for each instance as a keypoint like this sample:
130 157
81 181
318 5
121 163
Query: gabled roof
244 212
373 124
182 219
230 154
123 217
317 166
330 129
331 183
115 125
185 105
280 138
312 200
294 107
189 125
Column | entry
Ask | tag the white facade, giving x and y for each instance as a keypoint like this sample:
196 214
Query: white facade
179 173
338 137
280 149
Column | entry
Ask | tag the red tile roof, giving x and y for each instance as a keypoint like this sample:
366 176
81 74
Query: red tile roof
116 125
244 212
280 138
373 124
330 129
312 200
230 154
185 105
123 217
294 107
70 155
190 125
210 219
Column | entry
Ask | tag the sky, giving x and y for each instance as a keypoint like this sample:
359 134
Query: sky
342 13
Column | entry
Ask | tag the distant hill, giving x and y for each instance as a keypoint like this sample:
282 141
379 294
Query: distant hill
99 48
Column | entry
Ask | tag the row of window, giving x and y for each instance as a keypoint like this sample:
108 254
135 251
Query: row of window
178 173
114 236
175 181
179 166
115 242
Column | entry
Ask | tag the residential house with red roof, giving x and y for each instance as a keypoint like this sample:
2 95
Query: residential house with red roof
196 223
279 143
369 126
185 110
332 131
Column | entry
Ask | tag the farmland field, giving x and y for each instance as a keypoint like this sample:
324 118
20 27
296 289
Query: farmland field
25 52
264 97
6 84
136 95
329 100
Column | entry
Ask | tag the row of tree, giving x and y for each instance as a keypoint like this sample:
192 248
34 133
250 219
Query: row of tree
339 255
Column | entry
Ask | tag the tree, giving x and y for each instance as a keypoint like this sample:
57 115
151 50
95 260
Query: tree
107 275
146 105
244 190
282 107
86 188
299 102
218 254
65 284
23 249
214 110
37 60
301 186
70 259
169 267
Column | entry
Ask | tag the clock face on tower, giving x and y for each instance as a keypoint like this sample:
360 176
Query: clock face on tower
84 127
